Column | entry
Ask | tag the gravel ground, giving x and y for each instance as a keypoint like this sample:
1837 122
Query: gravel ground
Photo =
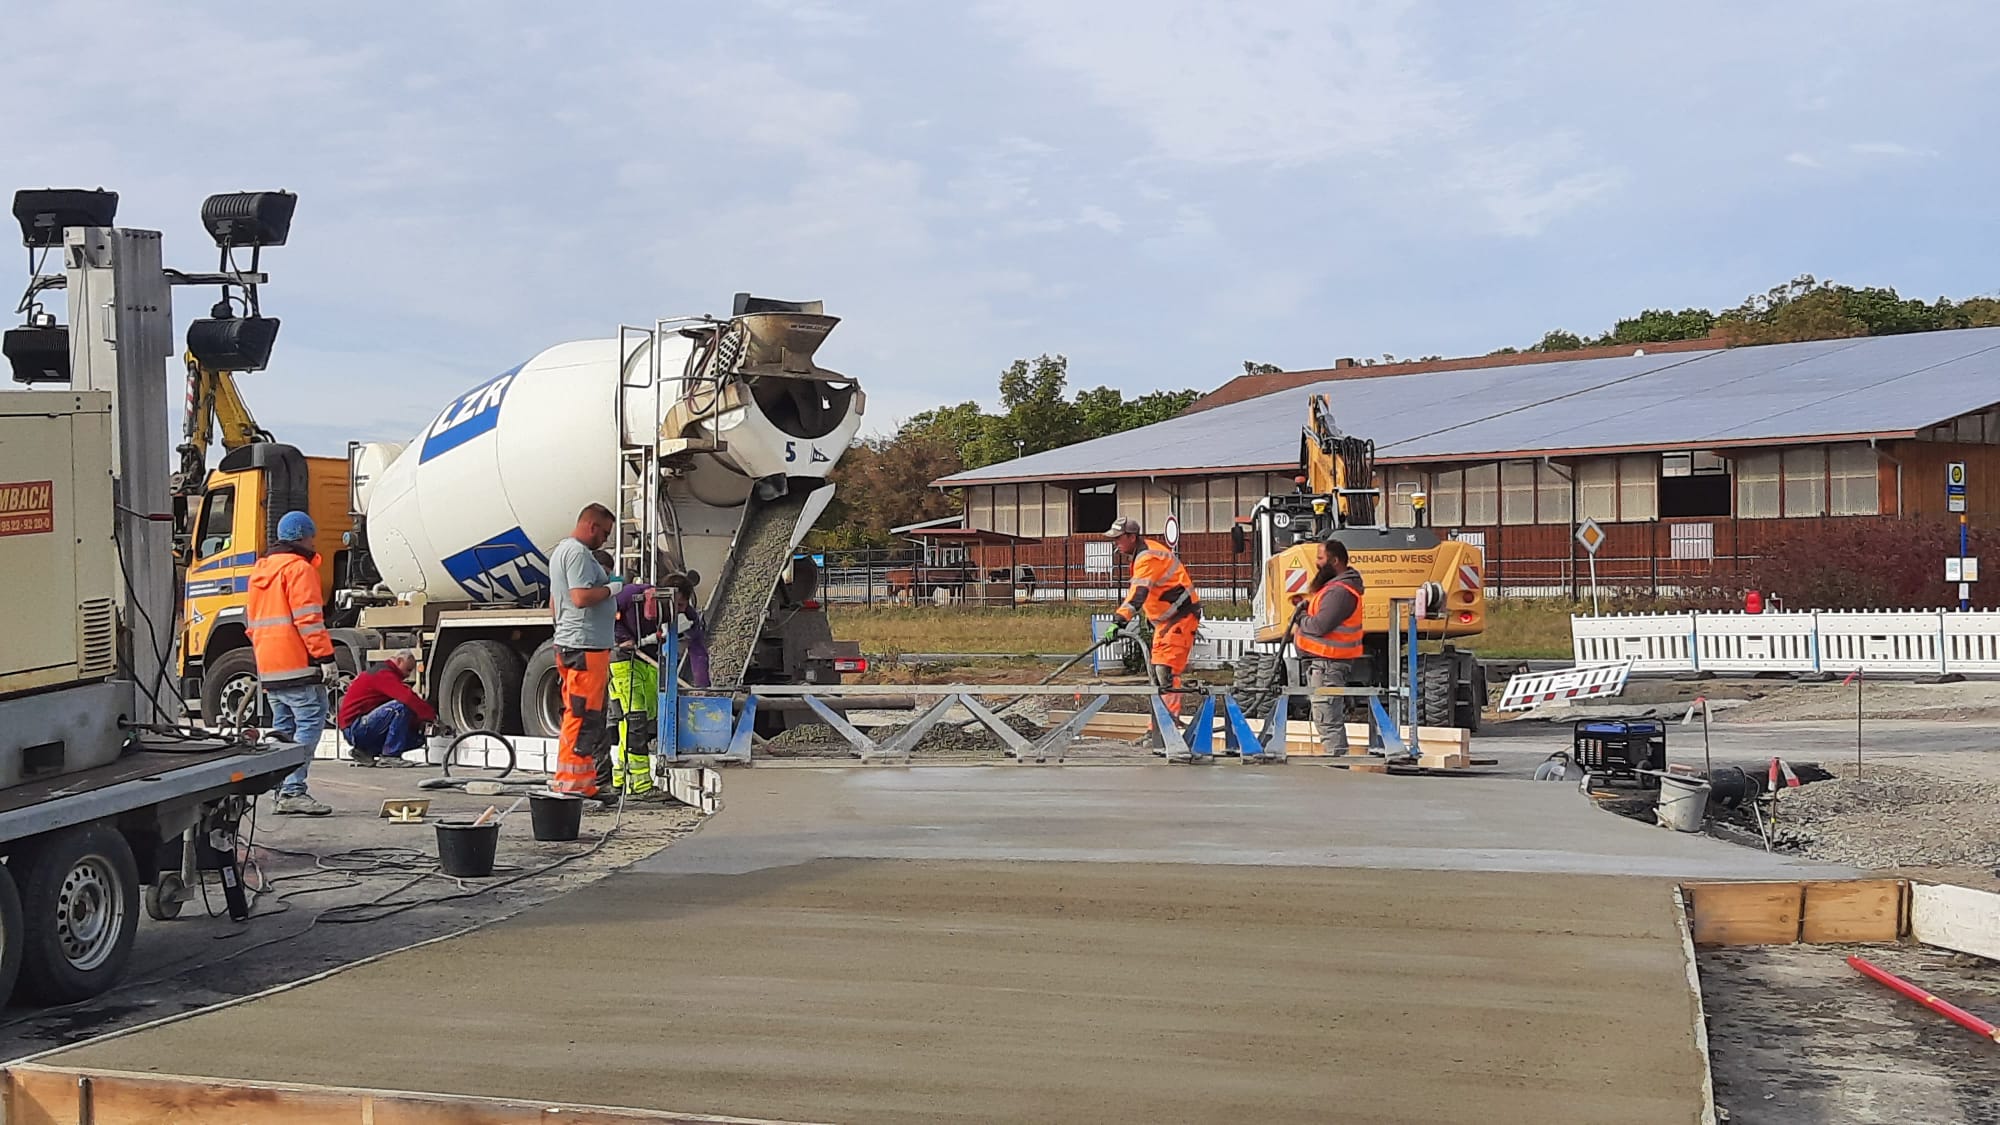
1892 817
946 739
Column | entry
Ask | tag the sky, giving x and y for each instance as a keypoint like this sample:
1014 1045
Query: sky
1158 190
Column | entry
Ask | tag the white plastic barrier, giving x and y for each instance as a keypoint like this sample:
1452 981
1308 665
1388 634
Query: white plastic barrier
1757 642
1650 642
1218 643
1895 641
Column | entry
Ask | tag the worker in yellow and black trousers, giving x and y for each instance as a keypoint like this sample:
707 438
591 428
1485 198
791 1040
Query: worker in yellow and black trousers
634 692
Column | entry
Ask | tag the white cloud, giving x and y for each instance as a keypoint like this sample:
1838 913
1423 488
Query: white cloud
1888 148
1803 160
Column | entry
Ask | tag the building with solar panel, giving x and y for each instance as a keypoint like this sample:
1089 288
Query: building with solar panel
1690 455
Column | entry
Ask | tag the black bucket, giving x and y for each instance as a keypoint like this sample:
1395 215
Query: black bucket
556 816
465 849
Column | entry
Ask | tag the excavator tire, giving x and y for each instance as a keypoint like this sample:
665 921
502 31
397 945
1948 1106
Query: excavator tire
1259 678
1436 690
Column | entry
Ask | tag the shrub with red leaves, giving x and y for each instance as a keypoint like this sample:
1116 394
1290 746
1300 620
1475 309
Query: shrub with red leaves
1874 564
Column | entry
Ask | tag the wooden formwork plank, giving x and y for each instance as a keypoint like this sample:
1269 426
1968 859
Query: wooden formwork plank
41 1095
1745 913
1857 910
1957 918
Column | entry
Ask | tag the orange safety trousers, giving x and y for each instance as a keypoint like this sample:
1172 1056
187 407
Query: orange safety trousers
1172 645
586 679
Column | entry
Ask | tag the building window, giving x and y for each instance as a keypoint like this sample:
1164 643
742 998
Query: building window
1006 509
979 508
1694 484
1096 507
1757 479
1552 494
1597 488
1517 492
1805 481
1854 482
1639 488
1159 503
1193 507
1482 495
1398 486
1222 511
1447 498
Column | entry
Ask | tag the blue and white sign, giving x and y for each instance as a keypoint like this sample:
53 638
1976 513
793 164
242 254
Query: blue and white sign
505 568
473 413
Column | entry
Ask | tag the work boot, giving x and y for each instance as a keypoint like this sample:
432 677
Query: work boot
363 757
393 762
301 804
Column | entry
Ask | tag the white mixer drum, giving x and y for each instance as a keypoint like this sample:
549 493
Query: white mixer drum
475 502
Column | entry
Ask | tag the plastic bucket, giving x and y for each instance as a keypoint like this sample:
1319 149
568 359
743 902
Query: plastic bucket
556 816
1683 803
465 849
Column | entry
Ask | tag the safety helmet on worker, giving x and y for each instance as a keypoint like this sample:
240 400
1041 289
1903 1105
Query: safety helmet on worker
296 527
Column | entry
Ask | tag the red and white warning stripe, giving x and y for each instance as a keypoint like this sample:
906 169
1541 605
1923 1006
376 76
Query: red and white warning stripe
1296 581
1780 768
1528 690
1468 577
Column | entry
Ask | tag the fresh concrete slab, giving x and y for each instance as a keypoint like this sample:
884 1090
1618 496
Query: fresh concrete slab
894 991
1044 943
1292 815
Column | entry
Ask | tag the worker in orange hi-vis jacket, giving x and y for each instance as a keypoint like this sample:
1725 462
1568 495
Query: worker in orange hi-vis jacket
295 661
1163 590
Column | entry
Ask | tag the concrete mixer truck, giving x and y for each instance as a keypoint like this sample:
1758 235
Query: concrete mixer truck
710 438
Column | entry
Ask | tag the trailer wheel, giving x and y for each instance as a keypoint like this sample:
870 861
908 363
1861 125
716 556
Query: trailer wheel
1436 696
80 911
229 698
480 688
11 937
541 695
164 897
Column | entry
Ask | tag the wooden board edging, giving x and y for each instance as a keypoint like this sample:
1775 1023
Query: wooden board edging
46 1095
1791 911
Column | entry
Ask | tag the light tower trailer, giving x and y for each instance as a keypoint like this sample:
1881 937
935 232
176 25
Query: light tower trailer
105 797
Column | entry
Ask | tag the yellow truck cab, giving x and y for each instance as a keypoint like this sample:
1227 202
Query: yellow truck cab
246 495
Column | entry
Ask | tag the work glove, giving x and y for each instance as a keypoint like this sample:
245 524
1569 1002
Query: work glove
329 673
613 584
1131 630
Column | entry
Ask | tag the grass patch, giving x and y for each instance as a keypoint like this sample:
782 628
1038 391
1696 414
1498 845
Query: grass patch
1517 628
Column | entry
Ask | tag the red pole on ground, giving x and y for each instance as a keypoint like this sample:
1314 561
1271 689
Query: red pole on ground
1950 1011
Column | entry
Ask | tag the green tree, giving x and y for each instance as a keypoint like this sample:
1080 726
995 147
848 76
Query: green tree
1557 340
886 482
1658 325
1252 367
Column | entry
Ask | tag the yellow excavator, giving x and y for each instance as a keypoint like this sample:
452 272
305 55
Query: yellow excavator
1337 499
214 406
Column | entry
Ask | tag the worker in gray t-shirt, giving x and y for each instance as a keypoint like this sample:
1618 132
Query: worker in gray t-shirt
584 601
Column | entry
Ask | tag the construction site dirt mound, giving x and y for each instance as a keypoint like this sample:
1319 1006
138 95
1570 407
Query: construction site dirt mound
945 739
1892 817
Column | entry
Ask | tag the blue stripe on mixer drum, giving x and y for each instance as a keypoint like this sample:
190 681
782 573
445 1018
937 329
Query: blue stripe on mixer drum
473 413
505 568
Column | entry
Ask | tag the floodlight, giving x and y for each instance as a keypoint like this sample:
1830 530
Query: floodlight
44 212
249 218
235 343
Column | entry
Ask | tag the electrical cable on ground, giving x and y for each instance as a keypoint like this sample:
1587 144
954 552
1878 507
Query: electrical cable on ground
392 908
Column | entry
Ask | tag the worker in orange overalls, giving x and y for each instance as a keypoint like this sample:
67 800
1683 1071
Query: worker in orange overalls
1163 590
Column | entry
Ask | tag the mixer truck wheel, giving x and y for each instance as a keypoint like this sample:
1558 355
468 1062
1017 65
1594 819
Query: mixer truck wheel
11 937
480 688
229 691
541 695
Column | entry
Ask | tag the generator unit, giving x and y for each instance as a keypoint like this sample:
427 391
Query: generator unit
61 563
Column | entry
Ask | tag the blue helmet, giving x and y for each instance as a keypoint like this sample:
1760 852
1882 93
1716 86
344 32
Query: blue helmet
296 527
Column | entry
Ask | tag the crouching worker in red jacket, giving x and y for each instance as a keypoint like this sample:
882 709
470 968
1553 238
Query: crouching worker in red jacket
380 716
